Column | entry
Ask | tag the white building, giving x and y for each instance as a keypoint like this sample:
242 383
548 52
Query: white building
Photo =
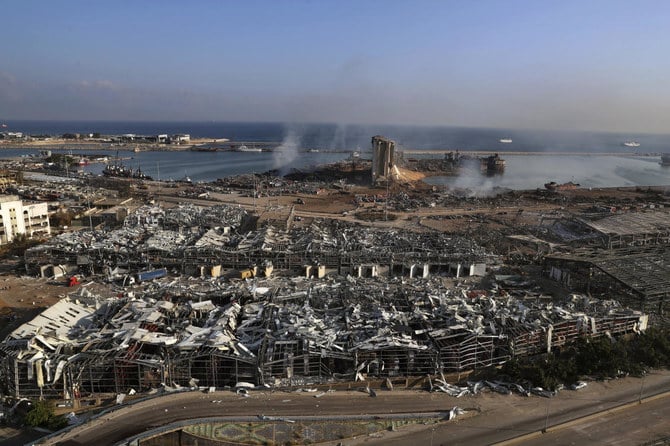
181 138
18 218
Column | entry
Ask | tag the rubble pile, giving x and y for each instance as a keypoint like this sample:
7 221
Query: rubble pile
268 185
113 345
189 237
173 332
186 216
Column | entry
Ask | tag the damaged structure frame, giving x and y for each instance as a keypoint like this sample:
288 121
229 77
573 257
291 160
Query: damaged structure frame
291 333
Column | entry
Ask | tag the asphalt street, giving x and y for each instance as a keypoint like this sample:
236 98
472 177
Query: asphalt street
498 417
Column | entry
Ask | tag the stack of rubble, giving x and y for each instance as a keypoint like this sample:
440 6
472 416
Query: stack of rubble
277 330
187 238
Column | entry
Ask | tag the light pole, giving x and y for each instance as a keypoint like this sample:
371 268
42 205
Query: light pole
90 219
546 420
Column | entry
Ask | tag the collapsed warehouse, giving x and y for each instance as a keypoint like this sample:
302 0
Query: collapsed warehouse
193 241
392 305
623 255
607 230
289 331
639 276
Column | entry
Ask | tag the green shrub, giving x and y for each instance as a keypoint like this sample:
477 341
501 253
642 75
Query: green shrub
600 357
42 414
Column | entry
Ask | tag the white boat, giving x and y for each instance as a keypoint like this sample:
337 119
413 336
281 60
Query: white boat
505 140
631 144
244 148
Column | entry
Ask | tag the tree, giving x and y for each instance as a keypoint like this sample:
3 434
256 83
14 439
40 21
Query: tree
18 246
42 414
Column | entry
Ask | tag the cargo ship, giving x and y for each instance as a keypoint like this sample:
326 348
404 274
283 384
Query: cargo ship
118 170
244 148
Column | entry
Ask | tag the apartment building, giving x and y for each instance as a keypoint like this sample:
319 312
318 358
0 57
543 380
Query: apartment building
17 217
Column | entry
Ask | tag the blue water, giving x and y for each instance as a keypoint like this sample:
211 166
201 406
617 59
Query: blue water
352 137
523 172
199 166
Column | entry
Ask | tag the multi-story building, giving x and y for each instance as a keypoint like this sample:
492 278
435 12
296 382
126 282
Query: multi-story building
19 218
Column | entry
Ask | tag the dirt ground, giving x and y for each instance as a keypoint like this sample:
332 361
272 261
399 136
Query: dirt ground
23 297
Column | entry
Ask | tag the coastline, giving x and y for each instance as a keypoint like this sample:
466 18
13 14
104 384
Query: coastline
194 145
67 144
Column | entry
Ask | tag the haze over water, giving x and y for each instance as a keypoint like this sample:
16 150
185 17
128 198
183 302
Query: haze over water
522 172
357 137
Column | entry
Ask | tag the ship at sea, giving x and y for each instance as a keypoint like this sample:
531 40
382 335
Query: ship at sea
505 140
117 170
631 144
244 148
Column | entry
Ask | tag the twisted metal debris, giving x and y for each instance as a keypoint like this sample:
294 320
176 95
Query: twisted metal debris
176 332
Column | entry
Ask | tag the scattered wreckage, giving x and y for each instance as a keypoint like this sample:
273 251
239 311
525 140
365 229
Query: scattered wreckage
288 332
388 312
188 239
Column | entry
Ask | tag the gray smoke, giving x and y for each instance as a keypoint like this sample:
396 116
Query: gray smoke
470 182
287 152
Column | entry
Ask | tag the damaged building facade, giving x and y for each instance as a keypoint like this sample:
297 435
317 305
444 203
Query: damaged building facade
17 218
283 332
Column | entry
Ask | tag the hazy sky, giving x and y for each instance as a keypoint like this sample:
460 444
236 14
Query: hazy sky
587 64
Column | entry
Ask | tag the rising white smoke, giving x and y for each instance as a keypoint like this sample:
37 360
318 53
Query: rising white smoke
470 182
284 155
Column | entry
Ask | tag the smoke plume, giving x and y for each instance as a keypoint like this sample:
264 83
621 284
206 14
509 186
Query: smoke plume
287 152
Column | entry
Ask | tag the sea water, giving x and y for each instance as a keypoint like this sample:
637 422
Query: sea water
333 141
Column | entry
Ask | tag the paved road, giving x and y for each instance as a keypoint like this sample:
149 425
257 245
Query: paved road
500 417
636 424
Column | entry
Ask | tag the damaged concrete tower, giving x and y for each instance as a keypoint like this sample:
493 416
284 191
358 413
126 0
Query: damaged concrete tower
383 159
